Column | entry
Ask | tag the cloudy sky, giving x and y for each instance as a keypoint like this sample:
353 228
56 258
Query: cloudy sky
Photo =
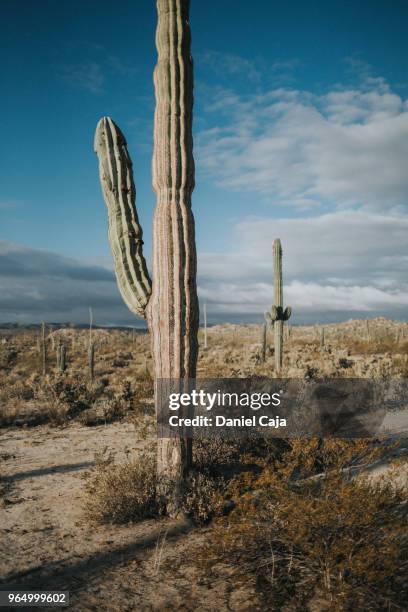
300 132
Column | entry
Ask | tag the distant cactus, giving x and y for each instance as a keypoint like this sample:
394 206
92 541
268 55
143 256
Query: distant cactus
43 349
322 339
170 304
278 315
61 358
91 360
263 342
205 327
91 348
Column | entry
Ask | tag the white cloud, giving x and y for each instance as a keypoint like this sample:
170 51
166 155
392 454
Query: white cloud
345 148
344 262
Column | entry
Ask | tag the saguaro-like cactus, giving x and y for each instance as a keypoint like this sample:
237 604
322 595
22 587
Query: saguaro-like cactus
62 355
263 342
91 360
278 315
322 336
205 326
43 349
170 303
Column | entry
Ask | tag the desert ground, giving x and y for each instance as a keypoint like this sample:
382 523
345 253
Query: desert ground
60 431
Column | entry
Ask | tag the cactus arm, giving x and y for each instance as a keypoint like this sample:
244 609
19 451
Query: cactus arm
287 313
125 233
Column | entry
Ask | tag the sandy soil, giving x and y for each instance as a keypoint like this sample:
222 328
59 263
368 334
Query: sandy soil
45 543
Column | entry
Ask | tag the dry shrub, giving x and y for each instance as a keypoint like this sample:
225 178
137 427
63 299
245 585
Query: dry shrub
127 492
212 454
62 399
17 389
400 366
332 539
375 346
121 493
9 412
8 356
203 497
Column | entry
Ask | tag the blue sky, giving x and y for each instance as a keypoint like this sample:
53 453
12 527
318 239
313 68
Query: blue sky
300 125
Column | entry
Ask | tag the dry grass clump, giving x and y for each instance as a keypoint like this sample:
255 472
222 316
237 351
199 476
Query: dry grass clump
214 454
387 344
121 493
203 497
126 493
62 399
331 542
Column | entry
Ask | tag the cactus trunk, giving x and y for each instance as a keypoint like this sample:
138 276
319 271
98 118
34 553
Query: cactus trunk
62 358
173 306
91 360
278 289
205 327
170 303
322 339
43 349
278 316
263 342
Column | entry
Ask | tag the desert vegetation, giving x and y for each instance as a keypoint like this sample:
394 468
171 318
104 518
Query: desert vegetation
267 525
120 381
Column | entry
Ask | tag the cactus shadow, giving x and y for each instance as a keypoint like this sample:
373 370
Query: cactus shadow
78 576
55 469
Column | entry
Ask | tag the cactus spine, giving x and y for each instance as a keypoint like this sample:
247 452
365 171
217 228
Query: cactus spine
278 316
170 303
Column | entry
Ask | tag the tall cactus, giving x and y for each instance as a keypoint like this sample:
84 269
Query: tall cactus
263 342
62 356
43 349
91 360
170 303
278 315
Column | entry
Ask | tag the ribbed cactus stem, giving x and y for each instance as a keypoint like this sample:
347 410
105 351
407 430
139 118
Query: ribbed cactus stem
263 342
322 339
62 358
278 291
171 304
91 359
205 327
125 233
278 316
43 349
173 308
